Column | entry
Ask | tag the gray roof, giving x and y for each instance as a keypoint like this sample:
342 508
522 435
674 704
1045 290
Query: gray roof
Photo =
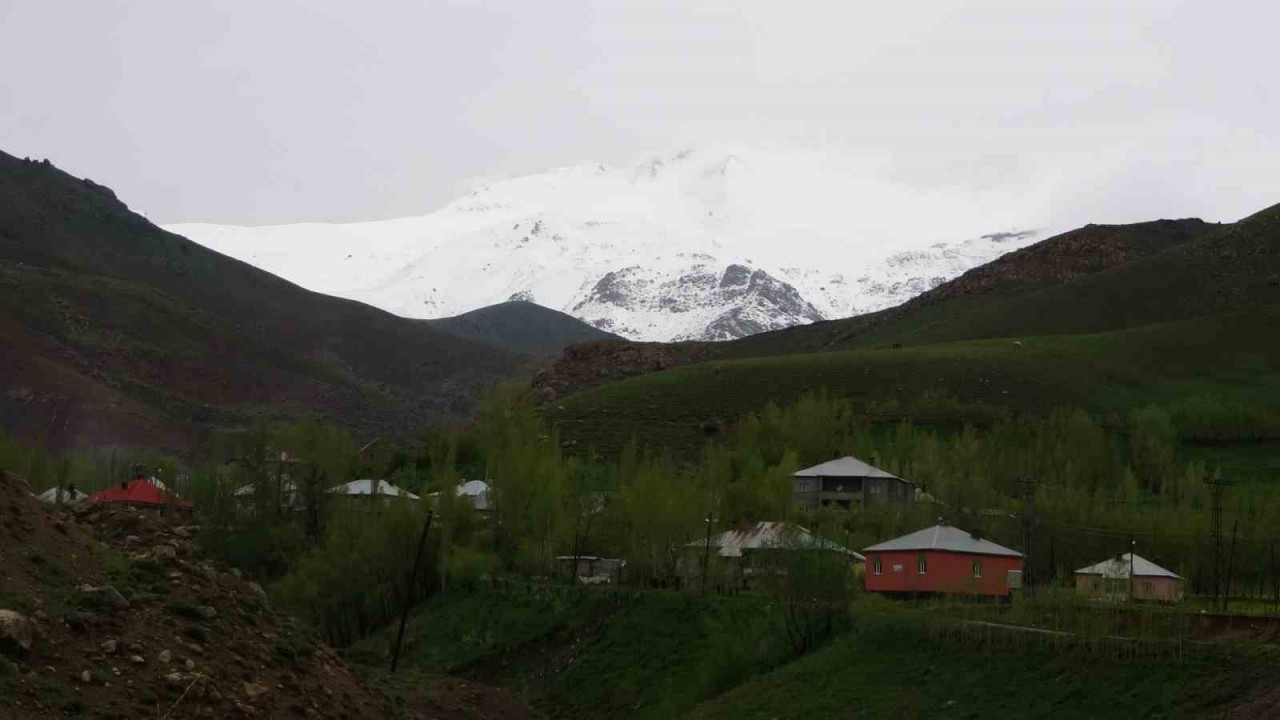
947 538
766 535
68 496
1118 567
371 488
847 466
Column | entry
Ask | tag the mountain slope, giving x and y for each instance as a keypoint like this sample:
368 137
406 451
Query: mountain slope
521 327
1178 313
114 331
707 244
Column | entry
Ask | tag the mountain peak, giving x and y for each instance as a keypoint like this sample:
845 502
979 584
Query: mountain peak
650 249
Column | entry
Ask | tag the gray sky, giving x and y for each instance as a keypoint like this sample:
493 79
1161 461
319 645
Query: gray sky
266 111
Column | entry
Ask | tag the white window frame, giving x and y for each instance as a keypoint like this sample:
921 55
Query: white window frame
922 565
876 567
977 567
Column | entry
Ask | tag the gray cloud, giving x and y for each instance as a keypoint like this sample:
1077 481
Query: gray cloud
257 111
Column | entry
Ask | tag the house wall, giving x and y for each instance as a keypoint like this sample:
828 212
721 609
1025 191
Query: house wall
812 492
945 572
1158 589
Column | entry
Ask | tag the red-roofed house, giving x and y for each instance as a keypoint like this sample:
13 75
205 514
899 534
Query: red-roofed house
942 559
139 492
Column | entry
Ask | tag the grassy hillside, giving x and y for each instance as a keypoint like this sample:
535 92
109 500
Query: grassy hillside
113 331
1230 364
521 327
892 670
1095 279
574 654
588 654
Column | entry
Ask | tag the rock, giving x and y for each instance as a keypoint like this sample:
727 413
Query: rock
164 553
86 677
108 647
137 660
246 710
17 633
103 599
207 612
132 540
175 679
81 622
253 690
165 657
190 664
182 531
258 592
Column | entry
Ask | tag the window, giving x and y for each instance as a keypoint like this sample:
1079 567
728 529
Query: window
920 565
977 568
875 567
1147 588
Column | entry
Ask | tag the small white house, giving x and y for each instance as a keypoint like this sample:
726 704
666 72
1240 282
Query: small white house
67 495
372 488
477 492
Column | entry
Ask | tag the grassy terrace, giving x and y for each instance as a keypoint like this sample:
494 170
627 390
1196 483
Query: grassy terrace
1233 358
599 654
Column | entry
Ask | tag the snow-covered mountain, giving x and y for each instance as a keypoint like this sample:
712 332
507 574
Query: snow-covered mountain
703 244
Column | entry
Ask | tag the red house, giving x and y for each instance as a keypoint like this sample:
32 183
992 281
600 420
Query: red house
139 492
942 559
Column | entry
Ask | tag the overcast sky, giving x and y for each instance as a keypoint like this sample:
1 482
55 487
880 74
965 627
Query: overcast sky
267 111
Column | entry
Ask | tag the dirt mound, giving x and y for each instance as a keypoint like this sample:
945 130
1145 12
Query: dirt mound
111 613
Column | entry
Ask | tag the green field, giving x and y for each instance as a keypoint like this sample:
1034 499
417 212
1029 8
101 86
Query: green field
1218 376
646 654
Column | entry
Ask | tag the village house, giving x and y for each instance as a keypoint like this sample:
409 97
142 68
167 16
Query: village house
477 493
371 489
141 491
740 556
58 494
1129 576
593 570
846 482
942 559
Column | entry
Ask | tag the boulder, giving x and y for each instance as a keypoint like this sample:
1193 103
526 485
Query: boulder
102 599
164 553
17 633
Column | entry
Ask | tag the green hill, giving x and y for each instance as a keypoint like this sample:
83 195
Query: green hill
113 331
1226 365
521 327
1179 313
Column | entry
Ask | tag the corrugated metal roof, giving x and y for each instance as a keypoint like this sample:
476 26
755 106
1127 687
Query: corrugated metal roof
477 491
765 535
848 466
367 487
1118 567
68 496
944 537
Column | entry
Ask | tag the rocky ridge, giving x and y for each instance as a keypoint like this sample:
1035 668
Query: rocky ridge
112 612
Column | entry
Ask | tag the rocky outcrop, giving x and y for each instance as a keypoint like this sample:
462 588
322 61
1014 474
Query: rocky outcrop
17 633
592 363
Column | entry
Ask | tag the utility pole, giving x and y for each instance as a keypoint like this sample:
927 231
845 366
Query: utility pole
408 596
706 552
1216 485
1028 526
1132 546
1231 560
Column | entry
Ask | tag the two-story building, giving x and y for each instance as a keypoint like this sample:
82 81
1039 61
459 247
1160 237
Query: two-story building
848 482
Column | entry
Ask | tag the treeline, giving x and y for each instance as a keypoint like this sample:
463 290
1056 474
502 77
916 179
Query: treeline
1094 488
